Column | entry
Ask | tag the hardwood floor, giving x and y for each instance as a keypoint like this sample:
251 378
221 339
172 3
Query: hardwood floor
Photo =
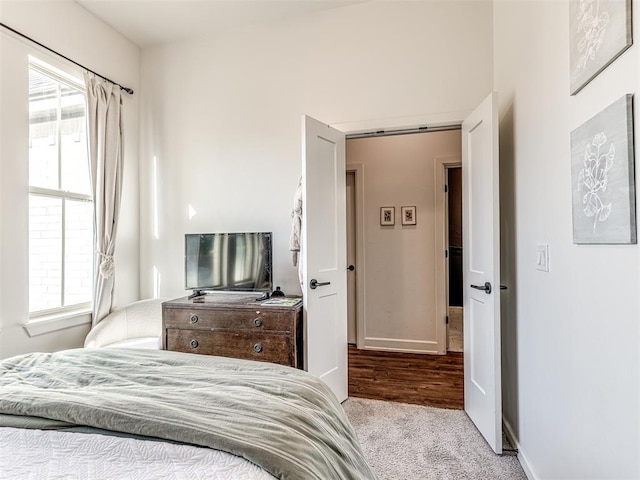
432 380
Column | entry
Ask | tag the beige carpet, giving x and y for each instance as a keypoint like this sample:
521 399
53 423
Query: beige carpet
407 442
456 340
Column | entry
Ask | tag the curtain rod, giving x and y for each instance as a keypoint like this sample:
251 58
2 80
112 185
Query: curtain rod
126 89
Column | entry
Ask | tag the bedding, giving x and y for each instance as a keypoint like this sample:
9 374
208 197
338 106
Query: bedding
279 418
48 454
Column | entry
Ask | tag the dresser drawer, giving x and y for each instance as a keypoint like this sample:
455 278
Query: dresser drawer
255 320
249 346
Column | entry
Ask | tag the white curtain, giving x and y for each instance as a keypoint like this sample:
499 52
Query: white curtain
106 150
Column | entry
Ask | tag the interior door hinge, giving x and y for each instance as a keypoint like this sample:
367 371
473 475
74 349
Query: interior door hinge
446 188
447 319
446 254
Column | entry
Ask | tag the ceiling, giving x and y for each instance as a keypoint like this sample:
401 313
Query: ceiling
152 22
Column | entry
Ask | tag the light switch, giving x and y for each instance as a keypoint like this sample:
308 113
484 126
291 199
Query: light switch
542 258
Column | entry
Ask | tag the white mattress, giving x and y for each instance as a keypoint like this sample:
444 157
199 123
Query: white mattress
48 454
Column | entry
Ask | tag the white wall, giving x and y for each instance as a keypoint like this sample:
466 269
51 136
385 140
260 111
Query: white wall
221 116
571 336
68 28
404 310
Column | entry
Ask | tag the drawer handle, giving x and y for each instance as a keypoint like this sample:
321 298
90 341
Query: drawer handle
193 318
257 347
257 322
194 343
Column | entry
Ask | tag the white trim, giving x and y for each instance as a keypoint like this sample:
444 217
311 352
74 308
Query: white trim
401 345
400 350
57 312
432 120
58 318
522 457
57 73
402 340
403 131
49 192
358 170
441 224
58 321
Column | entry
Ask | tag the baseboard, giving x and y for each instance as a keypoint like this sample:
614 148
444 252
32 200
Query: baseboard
401 345
522 456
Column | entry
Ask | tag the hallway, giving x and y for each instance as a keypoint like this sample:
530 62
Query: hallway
431 380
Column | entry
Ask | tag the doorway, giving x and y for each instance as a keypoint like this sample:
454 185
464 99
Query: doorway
396 375
454 258
397 290
481 269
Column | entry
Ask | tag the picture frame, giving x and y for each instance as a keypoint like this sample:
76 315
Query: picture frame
602 177
408 215
599 33
387 216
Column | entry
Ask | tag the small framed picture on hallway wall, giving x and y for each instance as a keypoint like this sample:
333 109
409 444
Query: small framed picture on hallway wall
408 215
387 216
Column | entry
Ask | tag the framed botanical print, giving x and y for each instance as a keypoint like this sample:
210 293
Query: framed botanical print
602 177
408 215
387 216
600 31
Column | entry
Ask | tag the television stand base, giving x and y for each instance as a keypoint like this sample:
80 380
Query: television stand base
264 296
196 293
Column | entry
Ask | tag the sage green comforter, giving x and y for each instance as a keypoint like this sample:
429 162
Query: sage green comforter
282 419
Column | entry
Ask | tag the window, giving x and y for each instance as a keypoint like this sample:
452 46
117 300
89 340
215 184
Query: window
60 203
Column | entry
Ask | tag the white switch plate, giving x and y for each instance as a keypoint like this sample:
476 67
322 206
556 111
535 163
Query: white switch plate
542 257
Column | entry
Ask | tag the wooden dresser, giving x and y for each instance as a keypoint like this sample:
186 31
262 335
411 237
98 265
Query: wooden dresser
234 325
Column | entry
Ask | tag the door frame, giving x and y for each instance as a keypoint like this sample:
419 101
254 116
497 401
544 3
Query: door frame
355 130
358 170
441 165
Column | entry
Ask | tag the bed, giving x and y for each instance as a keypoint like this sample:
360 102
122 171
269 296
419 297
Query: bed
127 413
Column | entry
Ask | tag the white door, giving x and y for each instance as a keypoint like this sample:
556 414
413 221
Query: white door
481 239
324 254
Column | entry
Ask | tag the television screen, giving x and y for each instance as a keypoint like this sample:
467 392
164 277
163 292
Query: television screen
228 261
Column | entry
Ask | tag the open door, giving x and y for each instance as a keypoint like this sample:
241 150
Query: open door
324 246
481 271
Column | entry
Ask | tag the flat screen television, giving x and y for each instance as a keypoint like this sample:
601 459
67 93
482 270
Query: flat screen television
228 261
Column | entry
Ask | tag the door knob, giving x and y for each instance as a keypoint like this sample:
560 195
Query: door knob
313 284
351 268
486 287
